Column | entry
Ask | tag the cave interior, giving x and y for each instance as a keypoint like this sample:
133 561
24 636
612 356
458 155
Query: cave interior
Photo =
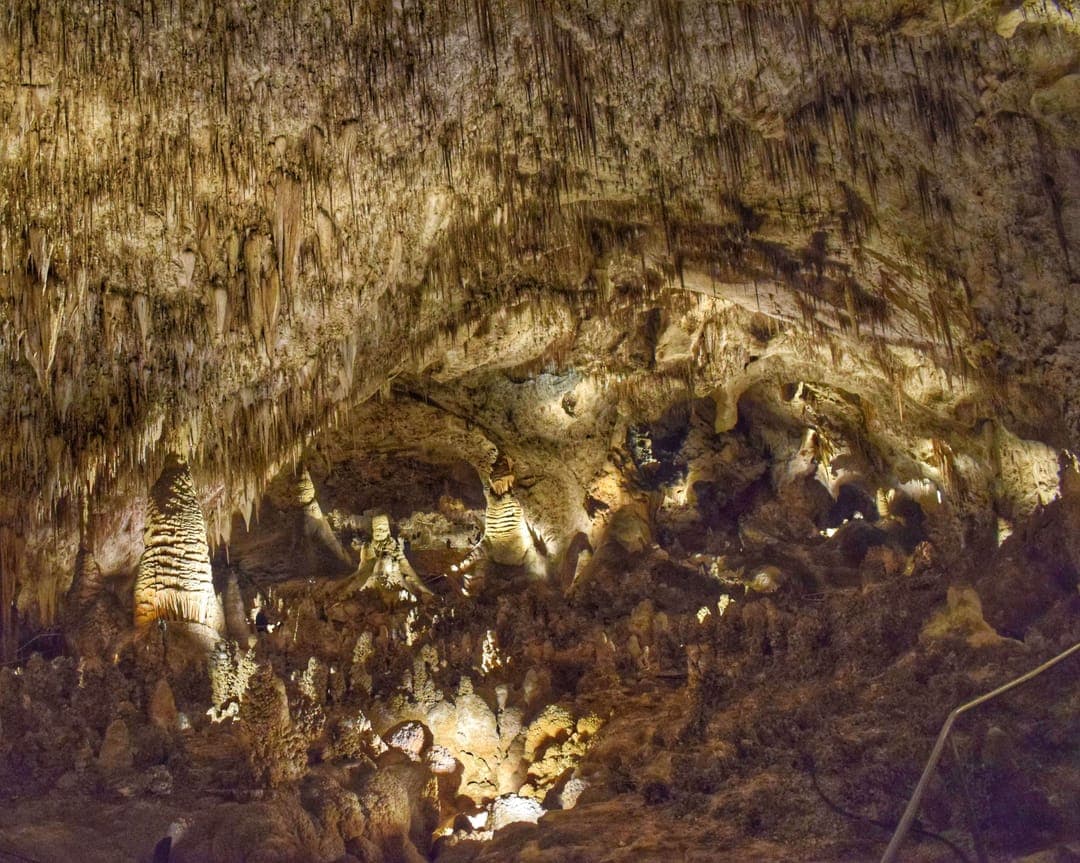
594 430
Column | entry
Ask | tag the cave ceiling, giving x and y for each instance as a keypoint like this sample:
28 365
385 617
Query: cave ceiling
226 227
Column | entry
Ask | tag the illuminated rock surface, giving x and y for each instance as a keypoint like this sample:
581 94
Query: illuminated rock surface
650 416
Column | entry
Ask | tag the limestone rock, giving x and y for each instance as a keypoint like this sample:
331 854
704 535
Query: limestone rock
159 781
278 829
410 738
962 617
625 304
631 531
116 754
162 708
512 809
175 580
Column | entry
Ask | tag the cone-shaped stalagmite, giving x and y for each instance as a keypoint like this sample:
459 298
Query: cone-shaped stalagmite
174 580
236 623
86 583
93 620
324 551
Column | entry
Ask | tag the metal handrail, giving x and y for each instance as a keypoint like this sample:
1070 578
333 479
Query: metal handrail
916 798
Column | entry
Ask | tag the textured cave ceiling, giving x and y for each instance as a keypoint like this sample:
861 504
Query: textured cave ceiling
222 227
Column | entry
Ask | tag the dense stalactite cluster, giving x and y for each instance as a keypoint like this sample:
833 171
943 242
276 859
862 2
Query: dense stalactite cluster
289 209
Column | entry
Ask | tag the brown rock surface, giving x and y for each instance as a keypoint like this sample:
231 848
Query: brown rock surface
767 308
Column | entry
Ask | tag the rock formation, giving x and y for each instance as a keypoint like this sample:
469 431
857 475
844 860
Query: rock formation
175 582
508 539
94 621
725 352
322 545
384 566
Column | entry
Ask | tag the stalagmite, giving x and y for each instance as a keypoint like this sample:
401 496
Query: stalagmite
324 546
508 537
86 583
236 618
174 581
384 566
712 271
93 619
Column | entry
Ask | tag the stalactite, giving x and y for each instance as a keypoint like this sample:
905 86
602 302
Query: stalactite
263 290
586 108
286 226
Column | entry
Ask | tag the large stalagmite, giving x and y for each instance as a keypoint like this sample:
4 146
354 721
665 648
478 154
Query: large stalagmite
175 582
508 539
321 545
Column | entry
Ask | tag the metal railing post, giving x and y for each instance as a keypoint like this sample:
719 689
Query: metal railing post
916 798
